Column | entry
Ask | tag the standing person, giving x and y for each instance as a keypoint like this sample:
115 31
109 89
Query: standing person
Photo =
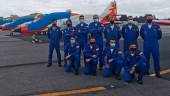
130 33
91 54
114 60
96 31
82 32
134 64
112 30
54 35
151 34
68 31
72 56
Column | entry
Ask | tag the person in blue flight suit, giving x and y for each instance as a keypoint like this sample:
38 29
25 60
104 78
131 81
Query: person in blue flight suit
82 32
134 64
114 60
130 33
91 54
68 31
151 34
112 30
72 56
54 35
96 30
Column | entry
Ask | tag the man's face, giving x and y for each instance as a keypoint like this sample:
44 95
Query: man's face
81 19
133 48
111 20
96 18
149 19
92 41
130 20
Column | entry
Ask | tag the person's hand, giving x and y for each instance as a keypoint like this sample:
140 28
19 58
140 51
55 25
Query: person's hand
67 57
132 71
87 60
94 56
110 60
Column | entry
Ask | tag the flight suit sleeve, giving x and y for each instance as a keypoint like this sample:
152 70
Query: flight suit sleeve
142 32
48 33
159 33
123 31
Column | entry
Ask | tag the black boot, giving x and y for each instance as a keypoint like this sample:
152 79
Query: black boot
49 65
117 77
140 81
59 65
158 76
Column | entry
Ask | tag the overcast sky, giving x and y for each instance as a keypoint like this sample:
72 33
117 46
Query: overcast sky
161 8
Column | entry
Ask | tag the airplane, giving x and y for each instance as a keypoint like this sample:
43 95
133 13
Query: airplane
20 21
5 22
162 22
43 23
110 11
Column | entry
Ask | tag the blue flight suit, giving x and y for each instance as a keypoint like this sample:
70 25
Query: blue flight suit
111 33
68 32
138 60
74 51
151 37
115 66
82 34
96 30
91 66
130 35
54 35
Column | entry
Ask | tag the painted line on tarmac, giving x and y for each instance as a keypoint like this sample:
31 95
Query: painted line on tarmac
73 92
161 73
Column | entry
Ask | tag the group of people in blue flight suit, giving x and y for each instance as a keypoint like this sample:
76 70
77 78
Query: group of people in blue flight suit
98 44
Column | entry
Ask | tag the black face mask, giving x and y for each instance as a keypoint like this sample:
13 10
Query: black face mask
92 43
54 25
149 20
111 22
132 49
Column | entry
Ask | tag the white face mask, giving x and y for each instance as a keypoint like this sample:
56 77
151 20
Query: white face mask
130 21
73 41
96 20
81 20
112 44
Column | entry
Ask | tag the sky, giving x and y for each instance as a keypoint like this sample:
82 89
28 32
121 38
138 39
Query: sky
160 8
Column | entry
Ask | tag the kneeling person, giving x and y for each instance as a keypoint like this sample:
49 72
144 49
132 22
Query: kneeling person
91 54
72 56
135 63
113 60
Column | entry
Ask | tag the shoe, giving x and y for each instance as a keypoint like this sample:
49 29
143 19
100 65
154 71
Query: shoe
139 81
76 73
101 69
158 76
49 65
147 73
93 74
59 65
118 77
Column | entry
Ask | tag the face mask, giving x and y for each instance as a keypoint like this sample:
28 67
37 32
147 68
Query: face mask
92 43
73 41
96 20
112 22
132 49
68 25
54 25
112 44
149 20
130 21
81 20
